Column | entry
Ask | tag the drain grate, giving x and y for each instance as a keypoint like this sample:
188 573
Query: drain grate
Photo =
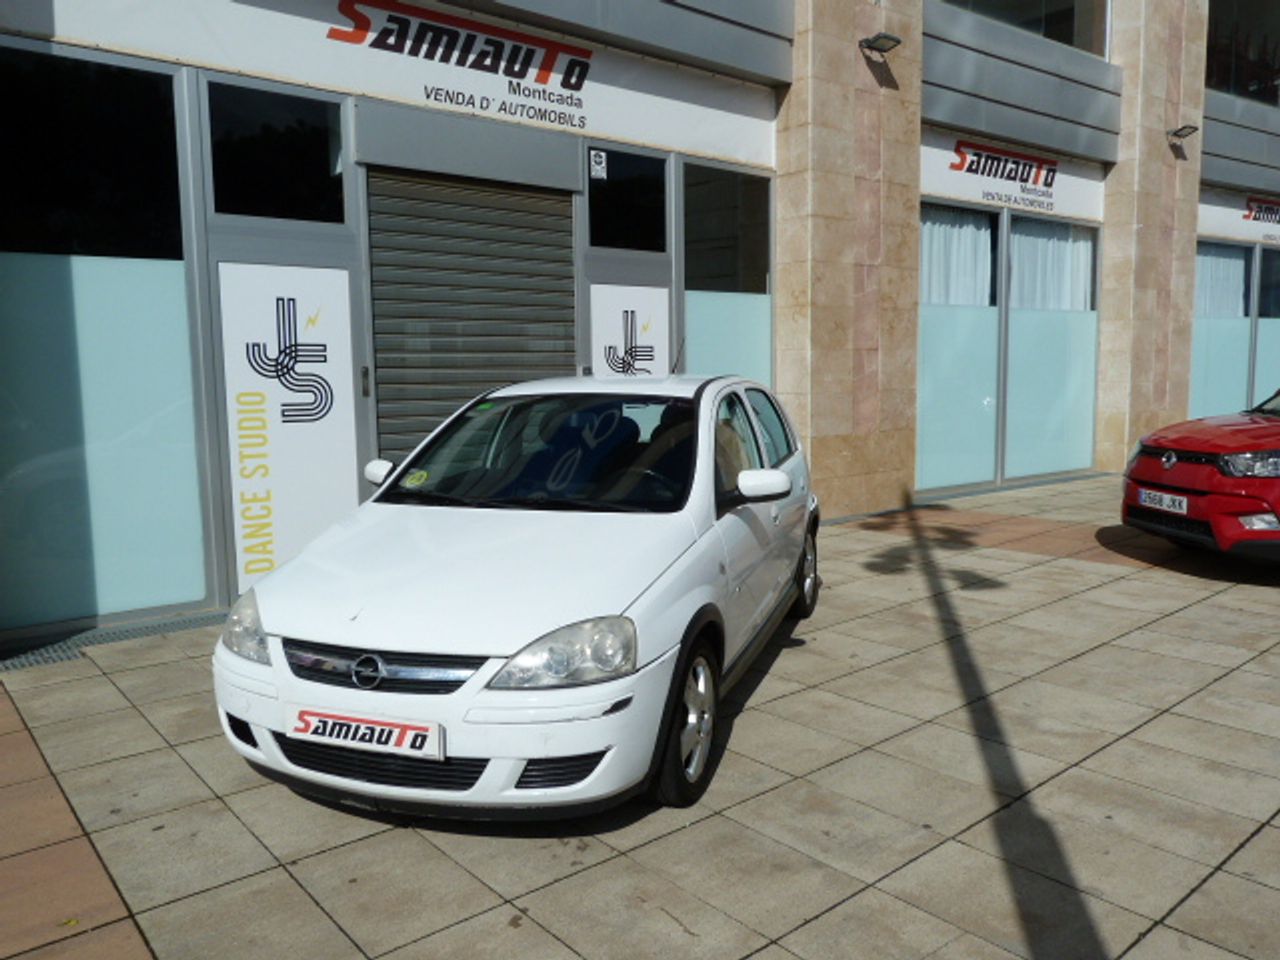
70 647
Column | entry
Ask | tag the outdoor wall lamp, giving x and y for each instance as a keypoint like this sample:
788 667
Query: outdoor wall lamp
1181 133
881 43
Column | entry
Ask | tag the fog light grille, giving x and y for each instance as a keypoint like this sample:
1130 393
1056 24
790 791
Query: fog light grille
242 731
558 771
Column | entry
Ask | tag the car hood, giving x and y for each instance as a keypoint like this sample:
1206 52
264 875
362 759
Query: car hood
1232 433
466 581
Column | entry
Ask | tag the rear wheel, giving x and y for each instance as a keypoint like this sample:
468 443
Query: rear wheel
807 581
685 768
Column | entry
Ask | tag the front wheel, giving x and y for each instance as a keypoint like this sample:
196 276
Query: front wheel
807 581
685 767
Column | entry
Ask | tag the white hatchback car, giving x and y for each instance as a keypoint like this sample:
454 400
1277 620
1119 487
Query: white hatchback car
538 611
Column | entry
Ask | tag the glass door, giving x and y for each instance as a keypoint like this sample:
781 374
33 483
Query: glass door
957 366
1053 355
1221 331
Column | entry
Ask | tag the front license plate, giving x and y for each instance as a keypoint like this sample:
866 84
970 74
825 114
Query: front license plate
1162 501
425 741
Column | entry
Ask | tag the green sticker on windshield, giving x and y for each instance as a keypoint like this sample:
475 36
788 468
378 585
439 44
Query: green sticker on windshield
416 479
483 406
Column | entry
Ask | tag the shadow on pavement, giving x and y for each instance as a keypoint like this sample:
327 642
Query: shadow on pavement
1193 561
1054 918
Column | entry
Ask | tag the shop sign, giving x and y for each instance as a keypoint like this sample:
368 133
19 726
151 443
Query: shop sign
429 54
961 167
1251 218
630 331
286 344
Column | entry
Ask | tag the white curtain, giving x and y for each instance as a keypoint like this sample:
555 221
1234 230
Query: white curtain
1222 280
1051 266
955 257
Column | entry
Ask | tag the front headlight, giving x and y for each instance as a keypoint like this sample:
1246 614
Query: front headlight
1261 463
1133 456
243 634
591 651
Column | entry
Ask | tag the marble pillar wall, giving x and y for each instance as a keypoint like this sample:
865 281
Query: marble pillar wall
846 295
1149 231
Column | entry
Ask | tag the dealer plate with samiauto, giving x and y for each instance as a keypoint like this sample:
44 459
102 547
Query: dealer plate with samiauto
1168 502
423 741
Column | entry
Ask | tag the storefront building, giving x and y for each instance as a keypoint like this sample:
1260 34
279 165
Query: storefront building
251 244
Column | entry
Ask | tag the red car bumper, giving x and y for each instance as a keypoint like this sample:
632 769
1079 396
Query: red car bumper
1214 503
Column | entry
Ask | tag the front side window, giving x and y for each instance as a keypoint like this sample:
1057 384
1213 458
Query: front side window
275 155
561 452
777 441
735 444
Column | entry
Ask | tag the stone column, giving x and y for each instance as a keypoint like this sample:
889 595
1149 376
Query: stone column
1149 229
846 296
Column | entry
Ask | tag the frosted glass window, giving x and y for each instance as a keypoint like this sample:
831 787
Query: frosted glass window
728 317
100 494
1053 349
958 348
1221 330
1266 361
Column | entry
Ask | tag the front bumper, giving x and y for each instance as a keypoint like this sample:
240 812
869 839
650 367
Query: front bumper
506 752
1213 516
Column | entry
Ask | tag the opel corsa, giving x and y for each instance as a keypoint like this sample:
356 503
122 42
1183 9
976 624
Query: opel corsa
1213 482
540 608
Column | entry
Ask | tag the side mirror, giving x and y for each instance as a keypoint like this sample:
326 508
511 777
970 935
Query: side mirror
377 471
755 485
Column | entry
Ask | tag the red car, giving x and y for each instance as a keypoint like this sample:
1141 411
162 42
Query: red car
1213 482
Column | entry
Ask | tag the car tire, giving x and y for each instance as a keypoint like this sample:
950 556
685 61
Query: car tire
807 579
684 769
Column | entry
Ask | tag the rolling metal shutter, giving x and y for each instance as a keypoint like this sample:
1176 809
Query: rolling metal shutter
472 288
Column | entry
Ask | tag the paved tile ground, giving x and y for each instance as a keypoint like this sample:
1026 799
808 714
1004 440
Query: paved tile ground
1012 729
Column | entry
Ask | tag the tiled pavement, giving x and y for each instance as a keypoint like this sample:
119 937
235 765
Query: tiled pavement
1012 728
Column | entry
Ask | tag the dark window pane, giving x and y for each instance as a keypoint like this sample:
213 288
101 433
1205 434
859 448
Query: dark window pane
90 165
627 200
275 155
1243 55
726 231
1078 23
1269 284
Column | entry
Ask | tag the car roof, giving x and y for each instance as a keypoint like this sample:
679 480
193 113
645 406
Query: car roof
678 386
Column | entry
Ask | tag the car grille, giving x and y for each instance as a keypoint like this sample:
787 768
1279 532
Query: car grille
1171 523
455 773
558 771
402 672
1184 456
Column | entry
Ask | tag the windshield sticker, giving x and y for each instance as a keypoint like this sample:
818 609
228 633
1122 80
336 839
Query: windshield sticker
416 479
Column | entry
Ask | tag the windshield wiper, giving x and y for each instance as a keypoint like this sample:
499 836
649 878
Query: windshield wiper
550 503
428 497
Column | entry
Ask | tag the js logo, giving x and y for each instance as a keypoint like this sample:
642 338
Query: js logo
284 366
627 361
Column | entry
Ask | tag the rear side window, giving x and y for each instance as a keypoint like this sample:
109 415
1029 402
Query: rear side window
777 441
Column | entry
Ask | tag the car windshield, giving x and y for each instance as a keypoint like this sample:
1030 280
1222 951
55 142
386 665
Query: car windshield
557 452
1270 406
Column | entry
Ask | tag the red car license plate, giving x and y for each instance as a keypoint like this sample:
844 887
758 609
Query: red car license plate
1170 503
